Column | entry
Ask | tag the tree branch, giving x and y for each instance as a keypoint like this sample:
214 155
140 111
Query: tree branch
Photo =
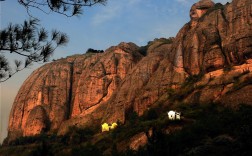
61 6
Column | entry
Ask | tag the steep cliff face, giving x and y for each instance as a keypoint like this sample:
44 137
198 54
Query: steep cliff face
209 44
84 90
218 38
71 90
218 44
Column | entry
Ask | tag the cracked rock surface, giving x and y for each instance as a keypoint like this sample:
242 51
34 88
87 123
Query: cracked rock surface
89 89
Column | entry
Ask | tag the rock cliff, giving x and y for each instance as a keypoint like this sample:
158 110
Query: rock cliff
89 89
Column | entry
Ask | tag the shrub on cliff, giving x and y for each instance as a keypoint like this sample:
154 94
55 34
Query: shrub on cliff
216 130
143 50
90 50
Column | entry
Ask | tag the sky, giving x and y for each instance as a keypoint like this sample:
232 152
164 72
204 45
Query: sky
99 27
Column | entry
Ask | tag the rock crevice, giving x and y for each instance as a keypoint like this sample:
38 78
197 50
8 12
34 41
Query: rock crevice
83 90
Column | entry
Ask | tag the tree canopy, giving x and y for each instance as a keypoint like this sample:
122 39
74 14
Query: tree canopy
33 42
29 41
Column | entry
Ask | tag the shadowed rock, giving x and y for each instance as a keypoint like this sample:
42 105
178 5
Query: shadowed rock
90 89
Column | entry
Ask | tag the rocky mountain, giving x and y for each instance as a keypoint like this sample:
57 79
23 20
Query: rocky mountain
210 60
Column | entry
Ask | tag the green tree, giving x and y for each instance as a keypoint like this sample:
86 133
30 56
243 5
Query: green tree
68 8
29 41
32 41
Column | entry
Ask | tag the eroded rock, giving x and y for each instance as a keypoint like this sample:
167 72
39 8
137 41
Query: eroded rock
85 90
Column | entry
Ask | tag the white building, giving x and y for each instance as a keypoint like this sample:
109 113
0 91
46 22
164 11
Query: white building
173 115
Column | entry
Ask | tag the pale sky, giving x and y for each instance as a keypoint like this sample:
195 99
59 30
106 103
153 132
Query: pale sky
100 27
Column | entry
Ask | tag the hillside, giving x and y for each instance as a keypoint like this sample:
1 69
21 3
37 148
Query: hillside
205 129
205 69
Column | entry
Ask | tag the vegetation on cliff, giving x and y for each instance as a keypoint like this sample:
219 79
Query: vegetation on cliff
207 129
31 41
198 75
100 87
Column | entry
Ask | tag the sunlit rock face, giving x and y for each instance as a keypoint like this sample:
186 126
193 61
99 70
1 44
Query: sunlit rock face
200 8
37 122
70 91
90 89
217 36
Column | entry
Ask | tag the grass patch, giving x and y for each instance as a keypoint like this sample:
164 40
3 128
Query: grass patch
186 88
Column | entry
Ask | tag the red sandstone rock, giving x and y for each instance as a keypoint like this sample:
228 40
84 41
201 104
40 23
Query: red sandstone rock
138 141
37 122
84 90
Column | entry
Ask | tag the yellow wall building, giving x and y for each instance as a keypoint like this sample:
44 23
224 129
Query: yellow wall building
106 127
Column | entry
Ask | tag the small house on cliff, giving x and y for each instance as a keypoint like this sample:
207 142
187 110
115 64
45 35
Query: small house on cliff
173 115
106 127
113 126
